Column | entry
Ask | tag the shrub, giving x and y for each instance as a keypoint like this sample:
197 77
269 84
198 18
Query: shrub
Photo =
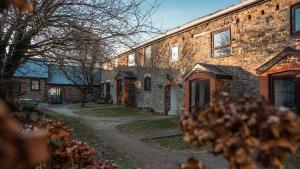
245 130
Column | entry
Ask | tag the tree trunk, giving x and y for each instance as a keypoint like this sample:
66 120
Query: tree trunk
83 99
100 83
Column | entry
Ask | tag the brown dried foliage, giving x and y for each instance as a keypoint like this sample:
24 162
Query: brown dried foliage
44 145
247 131
67 153
20 147
22 5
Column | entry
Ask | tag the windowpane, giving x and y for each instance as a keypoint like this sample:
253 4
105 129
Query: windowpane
35 84
192 93
174 53
131 60
284 92
116 62
297 19
222 52
148 52
221 39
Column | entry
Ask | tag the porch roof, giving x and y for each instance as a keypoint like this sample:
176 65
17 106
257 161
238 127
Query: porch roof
217 70
126 74
286 52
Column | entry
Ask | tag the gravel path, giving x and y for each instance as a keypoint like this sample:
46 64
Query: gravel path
146 156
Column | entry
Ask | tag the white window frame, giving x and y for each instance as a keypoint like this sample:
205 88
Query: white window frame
105 66
117 62
131 60
148 52
173 53
35 84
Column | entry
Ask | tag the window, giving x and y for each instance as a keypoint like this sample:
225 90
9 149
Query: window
117 62
285 92
148 52
35 84
147 83
295 20
199 94
174 53
105 66
221 43
131 59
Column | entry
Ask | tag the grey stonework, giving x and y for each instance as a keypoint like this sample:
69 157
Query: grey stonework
27 93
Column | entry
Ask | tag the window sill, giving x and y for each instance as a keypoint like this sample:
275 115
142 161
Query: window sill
174 61
35 90
220 57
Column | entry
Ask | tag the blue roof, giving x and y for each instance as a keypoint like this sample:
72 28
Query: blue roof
33 69
57 77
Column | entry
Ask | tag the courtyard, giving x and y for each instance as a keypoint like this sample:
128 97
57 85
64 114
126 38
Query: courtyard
136 139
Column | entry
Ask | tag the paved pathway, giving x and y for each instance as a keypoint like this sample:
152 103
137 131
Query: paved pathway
96 108
146 156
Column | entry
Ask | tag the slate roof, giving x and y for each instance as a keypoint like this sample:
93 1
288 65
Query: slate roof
126 75
57 77
218 70
36 68
33 68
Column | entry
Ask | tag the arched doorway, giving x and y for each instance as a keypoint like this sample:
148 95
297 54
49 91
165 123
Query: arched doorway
55 95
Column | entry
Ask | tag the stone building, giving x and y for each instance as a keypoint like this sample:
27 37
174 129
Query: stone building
251 47
42 82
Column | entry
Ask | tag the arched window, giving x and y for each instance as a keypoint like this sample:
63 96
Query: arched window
147 83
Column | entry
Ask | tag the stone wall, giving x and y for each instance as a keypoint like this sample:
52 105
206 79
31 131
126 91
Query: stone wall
258 33
27 93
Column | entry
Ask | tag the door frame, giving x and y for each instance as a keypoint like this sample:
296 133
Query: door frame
56 99
118 92
197 88
282 75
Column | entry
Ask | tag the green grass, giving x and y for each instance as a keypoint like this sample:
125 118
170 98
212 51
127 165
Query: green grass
104 150
175 143
150 126
88 105
113 112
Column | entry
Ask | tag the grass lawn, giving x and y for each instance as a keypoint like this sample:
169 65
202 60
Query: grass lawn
113 112
88 105
150 126
104 150
174 144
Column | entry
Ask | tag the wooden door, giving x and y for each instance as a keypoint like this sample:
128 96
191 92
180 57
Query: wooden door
120 94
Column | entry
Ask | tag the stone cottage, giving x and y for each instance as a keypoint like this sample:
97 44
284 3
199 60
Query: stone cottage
251 47
43 82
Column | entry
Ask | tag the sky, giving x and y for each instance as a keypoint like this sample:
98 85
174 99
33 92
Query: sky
173 13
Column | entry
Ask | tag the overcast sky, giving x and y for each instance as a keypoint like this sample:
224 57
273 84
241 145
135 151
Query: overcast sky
173 13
